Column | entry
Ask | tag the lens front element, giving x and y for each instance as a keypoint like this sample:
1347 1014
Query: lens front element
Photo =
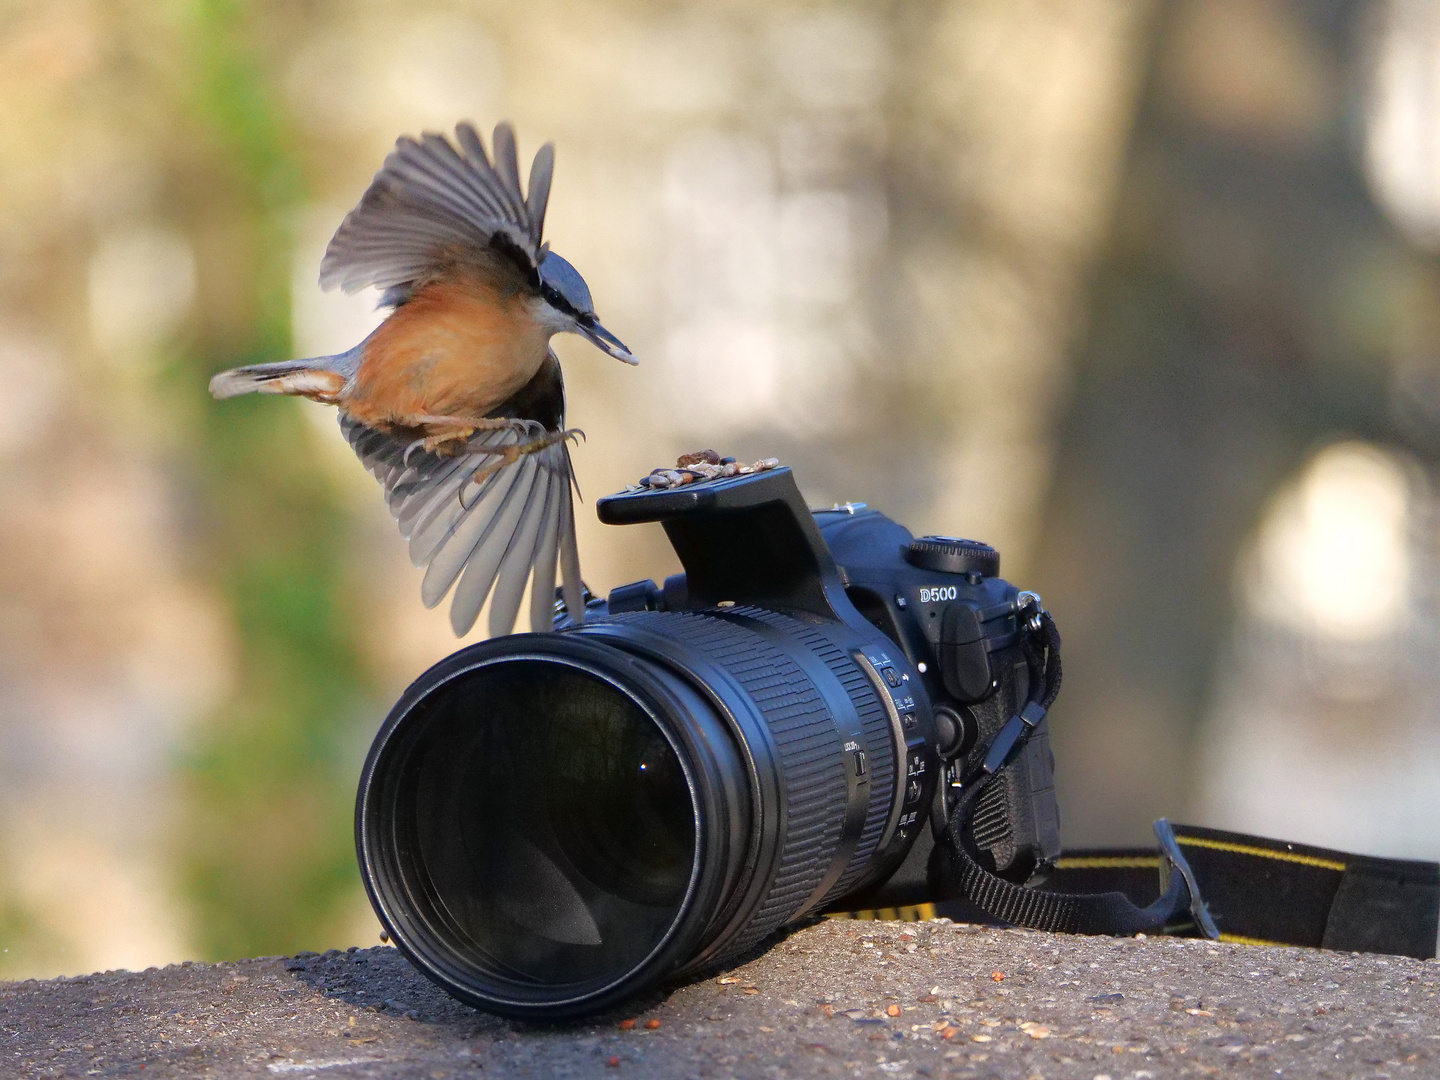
550 826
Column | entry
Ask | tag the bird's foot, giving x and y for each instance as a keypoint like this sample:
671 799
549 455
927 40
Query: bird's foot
511 454
448 436
447 443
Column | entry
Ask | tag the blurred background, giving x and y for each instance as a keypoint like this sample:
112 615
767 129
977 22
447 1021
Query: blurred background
1144 294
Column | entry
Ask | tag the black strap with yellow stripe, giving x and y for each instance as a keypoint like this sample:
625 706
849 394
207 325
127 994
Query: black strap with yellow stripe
1274 892
1257 891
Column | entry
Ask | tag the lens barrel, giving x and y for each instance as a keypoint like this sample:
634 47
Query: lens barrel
549 824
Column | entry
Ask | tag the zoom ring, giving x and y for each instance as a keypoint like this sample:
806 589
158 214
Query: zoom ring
875 725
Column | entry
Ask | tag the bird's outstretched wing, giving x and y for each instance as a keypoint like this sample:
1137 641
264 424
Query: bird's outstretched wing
486 537
431 203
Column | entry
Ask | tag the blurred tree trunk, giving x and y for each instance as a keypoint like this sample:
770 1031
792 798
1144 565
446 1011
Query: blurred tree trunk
1232 329
1009 127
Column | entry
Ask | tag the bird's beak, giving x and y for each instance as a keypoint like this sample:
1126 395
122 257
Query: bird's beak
590 327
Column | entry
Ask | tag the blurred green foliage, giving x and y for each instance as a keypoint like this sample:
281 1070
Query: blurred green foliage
268 862
24 940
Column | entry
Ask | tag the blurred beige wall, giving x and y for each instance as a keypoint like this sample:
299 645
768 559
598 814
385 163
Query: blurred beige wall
859 237
852 235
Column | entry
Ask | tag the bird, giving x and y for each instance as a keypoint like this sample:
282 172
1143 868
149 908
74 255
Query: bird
456 401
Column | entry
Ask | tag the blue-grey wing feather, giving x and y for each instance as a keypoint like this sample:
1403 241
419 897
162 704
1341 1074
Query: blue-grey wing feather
434 166
430 506
480 538
542 171
519 557
429 204
570 584
507 160
483 560
542 589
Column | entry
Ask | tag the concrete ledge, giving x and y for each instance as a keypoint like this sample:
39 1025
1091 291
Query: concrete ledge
837 999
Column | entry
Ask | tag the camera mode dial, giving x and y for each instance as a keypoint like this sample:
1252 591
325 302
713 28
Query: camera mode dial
951 555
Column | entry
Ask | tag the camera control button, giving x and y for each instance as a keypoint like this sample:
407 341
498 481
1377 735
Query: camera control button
891 675
955 730
952 555
857 759
913 792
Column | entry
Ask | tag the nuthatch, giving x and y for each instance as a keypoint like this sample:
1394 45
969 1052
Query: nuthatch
456 403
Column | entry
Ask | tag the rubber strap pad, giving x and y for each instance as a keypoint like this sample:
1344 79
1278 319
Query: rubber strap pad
1385 906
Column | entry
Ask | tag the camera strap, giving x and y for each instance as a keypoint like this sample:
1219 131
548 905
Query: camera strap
1254 889
1075 913
1275 892
1177 910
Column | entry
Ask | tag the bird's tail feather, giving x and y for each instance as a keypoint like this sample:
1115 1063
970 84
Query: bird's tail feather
318 377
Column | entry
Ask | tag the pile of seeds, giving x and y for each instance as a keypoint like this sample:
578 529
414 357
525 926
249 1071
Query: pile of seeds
698 467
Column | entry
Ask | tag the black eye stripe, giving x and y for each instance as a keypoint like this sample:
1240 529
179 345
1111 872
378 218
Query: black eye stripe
556 300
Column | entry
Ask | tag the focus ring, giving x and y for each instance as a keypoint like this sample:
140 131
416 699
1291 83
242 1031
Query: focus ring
811 764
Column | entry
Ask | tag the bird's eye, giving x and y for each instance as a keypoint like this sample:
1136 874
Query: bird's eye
555 299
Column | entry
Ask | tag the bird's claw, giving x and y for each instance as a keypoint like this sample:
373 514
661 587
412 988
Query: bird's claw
448 443
510 454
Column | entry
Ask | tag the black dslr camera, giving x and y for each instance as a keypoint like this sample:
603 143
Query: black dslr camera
551 823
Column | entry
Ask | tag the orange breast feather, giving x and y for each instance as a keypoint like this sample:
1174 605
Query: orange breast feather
457 348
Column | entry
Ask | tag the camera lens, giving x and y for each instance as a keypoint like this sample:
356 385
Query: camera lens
530 830
552 819
548 824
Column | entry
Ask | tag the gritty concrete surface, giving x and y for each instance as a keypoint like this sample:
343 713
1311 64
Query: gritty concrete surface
841 998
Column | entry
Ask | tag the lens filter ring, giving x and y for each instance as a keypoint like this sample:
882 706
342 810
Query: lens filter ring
530 826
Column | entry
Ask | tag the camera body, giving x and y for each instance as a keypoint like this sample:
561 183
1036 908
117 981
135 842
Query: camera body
548 824
947 657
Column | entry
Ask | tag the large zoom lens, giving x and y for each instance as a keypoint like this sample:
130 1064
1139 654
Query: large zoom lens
548 824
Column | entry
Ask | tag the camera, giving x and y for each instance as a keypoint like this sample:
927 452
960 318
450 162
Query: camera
549 824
